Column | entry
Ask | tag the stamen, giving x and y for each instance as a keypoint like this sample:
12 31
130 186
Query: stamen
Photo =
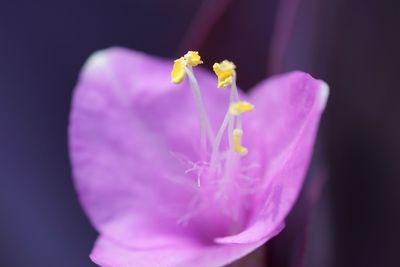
237 136
183 66
240 107
224 71
191 58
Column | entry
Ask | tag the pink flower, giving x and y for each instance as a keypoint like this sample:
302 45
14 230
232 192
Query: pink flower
154 182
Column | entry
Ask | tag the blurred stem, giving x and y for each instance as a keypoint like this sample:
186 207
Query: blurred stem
285 20
203 22
255 259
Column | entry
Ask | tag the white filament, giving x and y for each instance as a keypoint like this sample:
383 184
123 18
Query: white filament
205 127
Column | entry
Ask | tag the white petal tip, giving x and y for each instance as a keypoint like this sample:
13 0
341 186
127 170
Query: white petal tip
323 94
97 60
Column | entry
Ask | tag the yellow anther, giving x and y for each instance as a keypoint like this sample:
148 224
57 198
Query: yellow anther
239 107
193 58
224 72
178 71
237 137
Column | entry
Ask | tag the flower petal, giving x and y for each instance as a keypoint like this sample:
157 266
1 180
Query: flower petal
109 254
129 129
280 135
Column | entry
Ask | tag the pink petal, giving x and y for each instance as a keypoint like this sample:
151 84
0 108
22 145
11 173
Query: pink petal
280 134
109 254
126 121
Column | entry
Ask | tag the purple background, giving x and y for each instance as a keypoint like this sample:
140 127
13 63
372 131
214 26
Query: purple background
352 44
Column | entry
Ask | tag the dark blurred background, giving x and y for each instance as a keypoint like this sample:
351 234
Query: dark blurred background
352 44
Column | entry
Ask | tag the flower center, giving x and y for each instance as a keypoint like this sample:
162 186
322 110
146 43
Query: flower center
220 166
